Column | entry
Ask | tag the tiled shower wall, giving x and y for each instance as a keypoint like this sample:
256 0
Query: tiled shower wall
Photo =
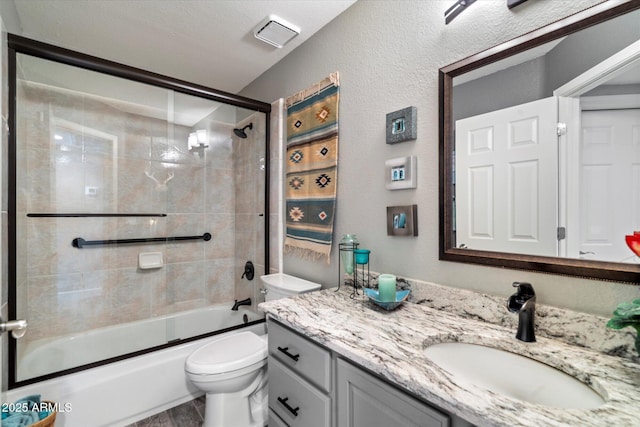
250 180
62 289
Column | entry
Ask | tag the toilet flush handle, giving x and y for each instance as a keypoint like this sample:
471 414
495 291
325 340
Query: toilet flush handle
17 327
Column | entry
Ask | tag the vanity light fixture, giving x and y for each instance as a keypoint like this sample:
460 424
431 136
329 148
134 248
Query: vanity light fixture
456 9
197 141
197 138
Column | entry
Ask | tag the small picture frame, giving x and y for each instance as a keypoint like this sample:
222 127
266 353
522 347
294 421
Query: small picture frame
401 173
402 125
402 220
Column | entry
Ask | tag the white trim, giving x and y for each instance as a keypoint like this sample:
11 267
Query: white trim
278 151
610 102
616 64
569 175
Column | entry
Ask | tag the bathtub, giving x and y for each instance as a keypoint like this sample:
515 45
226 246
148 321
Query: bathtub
120 393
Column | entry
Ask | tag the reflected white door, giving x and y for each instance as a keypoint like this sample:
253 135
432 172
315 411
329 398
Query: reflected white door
506 179
609 183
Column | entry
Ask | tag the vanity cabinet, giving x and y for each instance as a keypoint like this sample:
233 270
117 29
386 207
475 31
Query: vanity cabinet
366 401
310 386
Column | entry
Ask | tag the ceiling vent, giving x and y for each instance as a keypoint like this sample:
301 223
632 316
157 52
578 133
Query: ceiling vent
275 31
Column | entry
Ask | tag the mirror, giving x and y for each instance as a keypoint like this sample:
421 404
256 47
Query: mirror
528 178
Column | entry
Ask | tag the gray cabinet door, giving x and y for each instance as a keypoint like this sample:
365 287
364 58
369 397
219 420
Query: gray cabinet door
366 401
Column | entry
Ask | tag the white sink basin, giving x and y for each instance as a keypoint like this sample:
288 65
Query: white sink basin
512 375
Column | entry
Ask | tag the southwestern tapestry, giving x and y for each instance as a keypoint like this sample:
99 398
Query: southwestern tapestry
311 173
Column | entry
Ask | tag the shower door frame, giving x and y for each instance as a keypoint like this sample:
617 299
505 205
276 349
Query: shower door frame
22 45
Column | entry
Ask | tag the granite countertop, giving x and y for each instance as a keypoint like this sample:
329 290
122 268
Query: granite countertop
391 343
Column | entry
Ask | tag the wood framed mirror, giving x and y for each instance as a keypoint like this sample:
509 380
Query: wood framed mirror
558 209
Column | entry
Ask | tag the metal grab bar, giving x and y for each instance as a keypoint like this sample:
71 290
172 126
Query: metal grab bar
93 215
79 242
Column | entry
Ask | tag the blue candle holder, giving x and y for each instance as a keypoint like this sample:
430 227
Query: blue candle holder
361 273
362 256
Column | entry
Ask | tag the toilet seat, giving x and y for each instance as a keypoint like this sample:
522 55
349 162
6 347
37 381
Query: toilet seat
227 354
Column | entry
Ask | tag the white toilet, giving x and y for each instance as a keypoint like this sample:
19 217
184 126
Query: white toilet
232 370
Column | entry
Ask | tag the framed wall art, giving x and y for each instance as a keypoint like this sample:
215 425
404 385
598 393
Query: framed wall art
402 125
401 173
402 220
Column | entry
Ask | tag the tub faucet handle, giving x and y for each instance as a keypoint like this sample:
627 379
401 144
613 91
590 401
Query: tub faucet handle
249 271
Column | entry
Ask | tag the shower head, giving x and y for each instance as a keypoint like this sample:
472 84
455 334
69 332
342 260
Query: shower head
241 132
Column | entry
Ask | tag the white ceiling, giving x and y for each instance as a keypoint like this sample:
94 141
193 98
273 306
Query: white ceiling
208 42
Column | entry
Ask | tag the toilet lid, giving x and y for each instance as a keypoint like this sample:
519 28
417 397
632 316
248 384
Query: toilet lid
226 354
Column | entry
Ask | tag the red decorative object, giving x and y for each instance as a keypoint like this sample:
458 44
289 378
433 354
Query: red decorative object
633 241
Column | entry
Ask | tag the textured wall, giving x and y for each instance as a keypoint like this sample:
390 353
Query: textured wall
388 54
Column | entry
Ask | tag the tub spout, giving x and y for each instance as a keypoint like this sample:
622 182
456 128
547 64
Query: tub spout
523 302
239 303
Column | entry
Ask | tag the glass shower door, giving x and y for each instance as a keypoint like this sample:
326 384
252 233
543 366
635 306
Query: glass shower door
136 207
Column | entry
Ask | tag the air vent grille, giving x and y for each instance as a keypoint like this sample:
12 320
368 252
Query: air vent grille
275 31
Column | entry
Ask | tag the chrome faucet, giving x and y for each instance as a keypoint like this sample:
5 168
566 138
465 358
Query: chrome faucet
239 303
523 302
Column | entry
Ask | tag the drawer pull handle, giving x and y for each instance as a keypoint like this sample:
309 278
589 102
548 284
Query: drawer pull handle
284 403
285 351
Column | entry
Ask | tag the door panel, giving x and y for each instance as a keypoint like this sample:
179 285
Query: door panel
506 191
610 183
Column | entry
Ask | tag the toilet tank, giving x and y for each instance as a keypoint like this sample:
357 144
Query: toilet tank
281 285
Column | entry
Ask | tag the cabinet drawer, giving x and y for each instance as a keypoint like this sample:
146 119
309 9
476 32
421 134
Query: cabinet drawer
294 400
305 358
